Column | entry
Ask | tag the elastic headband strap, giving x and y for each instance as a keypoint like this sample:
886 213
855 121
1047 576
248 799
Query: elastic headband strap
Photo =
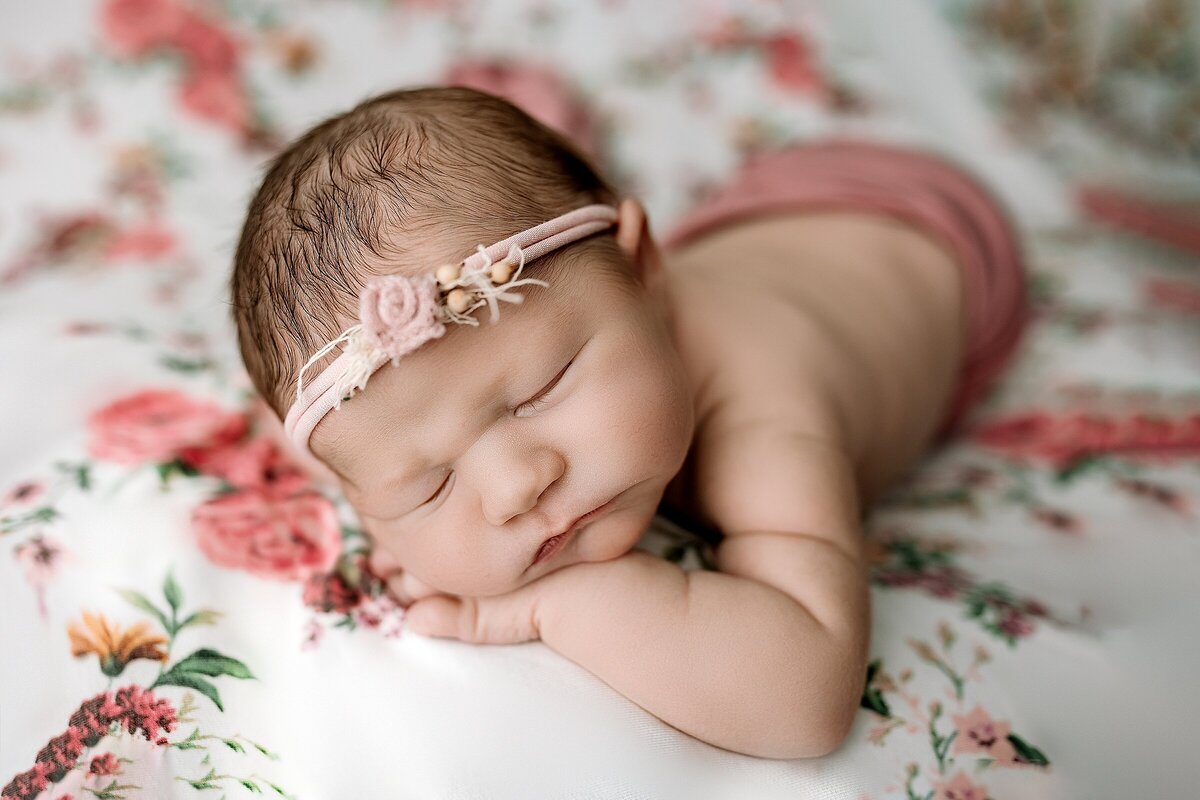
319 397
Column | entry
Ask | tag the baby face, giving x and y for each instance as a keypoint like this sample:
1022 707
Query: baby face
468 455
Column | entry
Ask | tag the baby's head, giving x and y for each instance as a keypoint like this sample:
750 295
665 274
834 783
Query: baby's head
467 453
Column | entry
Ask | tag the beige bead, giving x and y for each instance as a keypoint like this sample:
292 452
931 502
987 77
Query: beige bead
458 300
501 272
447 274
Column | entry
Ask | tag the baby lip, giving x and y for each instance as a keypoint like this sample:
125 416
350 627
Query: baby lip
568 529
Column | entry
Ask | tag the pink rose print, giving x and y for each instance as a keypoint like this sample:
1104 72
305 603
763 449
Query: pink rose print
134 27
252 463
329 593
793 65
1065 437
536 90
155 424
206 46
145 242
105 764
960 787
979 733
287 539
217 97
400 313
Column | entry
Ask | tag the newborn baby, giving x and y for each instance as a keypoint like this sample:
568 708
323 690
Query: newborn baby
525 377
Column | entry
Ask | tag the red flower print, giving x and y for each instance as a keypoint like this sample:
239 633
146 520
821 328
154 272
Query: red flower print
979 733
142 712
134 27
251 463
105 764
28 784
145 242
330 594
206 46
537 90
1172 295
216 96
1065 437
134 708
285 539
792 64
155 424
960 787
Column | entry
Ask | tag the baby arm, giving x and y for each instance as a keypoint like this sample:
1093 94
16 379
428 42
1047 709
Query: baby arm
766 657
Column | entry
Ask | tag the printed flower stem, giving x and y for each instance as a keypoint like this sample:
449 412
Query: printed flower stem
940 743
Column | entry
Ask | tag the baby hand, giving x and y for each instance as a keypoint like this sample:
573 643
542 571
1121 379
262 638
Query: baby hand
499 619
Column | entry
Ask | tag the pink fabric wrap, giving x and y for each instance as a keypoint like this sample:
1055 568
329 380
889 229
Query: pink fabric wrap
917 188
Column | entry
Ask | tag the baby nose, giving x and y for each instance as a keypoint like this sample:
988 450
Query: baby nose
514 487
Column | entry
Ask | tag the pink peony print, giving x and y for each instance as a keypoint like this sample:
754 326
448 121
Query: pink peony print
960 787
153 425
134 27
287 539
216 96
979 733
400 313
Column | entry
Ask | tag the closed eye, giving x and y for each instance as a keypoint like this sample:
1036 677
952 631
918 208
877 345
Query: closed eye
539 400
438 493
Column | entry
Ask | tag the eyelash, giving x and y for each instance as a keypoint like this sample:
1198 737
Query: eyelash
438 493
536 403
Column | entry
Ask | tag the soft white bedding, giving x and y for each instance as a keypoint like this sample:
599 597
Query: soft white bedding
1034 594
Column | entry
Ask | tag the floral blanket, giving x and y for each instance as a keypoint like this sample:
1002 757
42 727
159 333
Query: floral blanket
185 614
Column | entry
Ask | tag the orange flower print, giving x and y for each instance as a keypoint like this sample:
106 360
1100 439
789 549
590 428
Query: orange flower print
979 733
114 647
960 787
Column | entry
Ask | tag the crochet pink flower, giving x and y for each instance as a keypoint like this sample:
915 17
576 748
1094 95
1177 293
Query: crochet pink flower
400 313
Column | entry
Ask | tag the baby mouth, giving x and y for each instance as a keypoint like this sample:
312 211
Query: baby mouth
555 543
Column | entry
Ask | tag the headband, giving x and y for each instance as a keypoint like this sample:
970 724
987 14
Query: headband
399 313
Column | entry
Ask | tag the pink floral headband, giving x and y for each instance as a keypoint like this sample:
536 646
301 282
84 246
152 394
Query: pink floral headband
397 313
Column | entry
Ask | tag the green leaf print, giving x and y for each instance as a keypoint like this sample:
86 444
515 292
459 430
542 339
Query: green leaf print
1027 753
172 593
141 601
211 663
189 680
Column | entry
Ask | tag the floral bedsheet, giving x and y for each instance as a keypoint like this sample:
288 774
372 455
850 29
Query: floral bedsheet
186 614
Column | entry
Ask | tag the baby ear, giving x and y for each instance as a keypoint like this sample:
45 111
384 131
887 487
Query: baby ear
634 238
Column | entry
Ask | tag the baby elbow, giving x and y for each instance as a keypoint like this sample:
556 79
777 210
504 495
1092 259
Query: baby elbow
824 729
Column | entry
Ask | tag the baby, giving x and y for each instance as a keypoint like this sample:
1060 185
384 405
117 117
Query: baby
544 377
